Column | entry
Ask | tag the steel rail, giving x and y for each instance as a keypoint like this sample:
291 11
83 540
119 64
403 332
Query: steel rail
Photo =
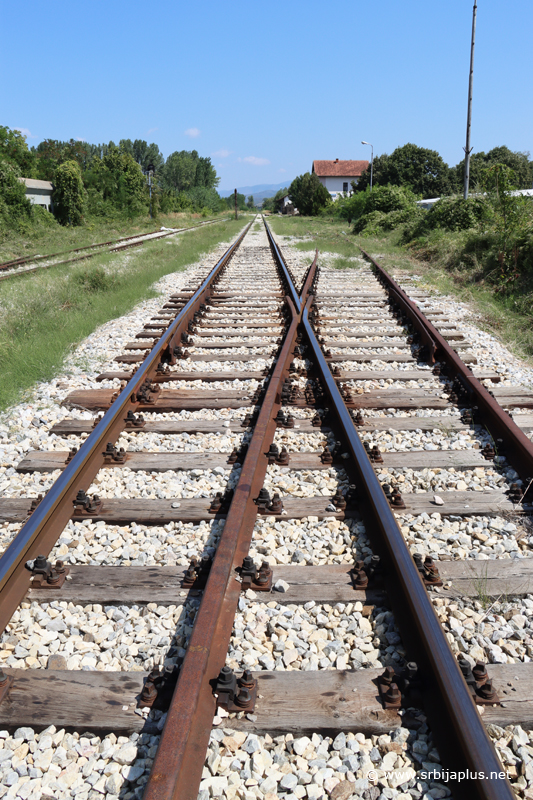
17 262
518 448
39 534
12 265
456 725
177 769
455 721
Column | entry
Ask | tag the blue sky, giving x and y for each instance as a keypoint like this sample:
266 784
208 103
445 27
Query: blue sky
266 88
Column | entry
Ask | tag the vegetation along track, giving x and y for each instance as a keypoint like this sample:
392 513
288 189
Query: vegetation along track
282 592
21 266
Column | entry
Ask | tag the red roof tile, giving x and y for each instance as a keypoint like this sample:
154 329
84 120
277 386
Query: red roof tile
339 169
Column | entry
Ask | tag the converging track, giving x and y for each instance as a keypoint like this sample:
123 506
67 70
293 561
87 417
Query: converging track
282 588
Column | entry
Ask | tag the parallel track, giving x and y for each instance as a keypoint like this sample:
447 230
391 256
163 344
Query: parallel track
304 358
12 269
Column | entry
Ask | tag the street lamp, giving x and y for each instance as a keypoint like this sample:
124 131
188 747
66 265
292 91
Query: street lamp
371 162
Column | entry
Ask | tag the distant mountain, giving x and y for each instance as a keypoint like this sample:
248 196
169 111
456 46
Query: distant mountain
259 192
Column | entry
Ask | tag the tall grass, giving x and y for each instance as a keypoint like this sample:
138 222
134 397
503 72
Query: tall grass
54 238
43 315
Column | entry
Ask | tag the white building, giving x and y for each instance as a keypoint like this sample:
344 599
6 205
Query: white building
287 207
337 176
39 193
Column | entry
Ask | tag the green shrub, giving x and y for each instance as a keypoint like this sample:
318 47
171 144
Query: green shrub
43 218
388 198
457 214
69 194
370 224
409 215
95 279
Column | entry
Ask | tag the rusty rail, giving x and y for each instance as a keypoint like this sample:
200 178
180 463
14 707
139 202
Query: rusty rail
18 262
514 443
39 534
455 721
178 765
456 724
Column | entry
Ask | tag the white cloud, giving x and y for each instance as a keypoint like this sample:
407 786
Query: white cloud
258 162
80 139
25 132
282 170
151 130
192 132
221 153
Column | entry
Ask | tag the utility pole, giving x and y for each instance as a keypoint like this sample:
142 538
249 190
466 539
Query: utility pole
468 149
235 203
151 170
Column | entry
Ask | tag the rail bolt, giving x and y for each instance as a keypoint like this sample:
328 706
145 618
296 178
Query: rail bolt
326 457
480 672
283 457
388 676
392 695
263 498
339 500
243 699
487 692
276 505
466 669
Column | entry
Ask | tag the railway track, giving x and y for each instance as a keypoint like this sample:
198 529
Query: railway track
19 266
253 526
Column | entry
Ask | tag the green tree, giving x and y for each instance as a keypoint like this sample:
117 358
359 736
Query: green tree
379 176
14 150
421 170
511 218
308 194
68 196
241 202
13 198
117 181
518 162
184 169
250 202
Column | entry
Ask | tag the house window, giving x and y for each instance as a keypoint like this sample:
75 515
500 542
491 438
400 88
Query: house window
345 186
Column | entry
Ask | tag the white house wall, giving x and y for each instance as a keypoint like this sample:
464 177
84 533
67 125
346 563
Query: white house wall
335 185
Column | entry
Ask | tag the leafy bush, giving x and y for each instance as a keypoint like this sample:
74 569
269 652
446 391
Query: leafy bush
13 191
382 209
69 195
95 279
409 215
389 198
43 217
370 224
456 213
347 208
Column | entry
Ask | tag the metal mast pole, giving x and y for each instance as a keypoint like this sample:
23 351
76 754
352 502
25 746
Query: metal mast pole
468 149
235 203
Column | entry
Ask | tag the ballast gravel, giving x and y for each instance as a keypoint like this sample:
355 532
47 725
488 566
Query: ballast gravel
312 637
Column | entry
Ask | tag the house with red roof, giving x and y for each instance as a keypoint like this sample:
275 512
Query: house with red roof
337 176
